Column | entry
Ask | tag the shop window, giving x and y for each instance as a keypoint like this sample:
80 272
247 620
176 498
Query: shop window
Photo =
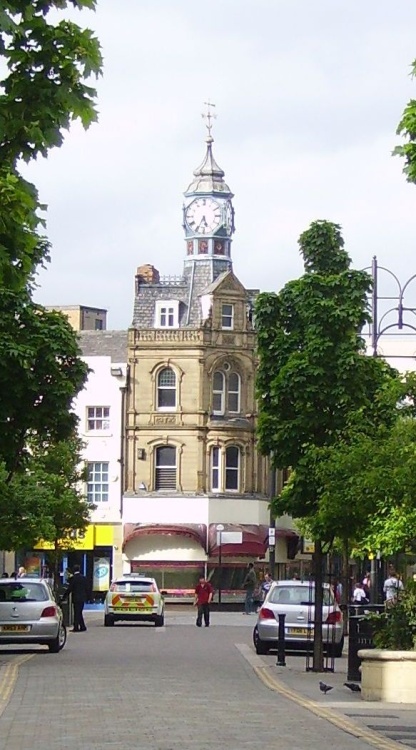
165 468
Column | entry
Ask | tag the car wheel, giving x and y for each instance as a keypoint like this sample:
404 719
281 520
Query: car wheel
108 621
262 648
336 649
59 642
159 621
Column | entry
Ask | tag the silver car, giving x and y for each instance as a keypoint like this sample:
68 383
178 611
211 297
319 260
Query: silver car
296 599
29 614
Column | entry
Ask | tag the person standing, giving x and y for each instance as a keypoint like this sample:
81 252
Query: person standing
249 584
359 595
203 598
391 588
21 572
78 587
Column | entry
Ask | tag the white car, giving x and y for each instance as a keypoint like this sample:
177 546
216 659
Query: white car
136 598
296 600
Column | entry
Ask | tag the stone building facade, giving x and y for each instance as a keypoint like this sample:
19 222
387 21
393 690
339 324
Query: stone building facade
195 481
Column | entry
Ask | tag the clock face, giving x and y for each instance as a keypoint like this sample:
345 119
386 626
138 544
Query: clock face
203 215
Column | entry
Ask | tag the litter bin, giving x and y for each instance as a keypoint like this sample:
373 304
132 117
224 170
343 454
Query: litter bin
67 611
360 635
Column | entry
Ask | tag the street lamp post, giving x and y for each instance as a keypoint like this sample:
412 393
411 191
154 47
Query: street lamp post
220 529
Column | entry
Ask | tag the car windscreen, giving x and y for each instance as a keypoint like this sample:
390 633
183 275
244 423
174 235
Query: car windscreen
133 586
22 592
298 595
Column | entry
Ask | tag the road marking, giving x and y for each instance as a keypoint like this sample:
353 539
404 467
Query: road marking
273 683
8 679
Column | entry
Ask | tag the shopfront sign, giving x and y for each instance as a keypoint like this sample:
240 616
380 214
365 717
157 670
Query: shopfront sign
101 575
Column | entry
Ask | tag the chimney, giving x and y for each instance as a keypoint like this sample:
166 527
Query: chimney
147 274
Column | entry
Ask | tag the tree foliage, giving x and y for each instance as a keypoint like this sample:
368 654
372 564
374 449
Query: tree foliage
373 476
46 60
46 501
314 373
407 129
314 377
43 91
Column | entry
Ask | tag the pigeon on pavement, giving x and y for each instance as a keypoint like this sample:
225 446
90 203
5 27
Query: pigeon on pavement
353 687
324 688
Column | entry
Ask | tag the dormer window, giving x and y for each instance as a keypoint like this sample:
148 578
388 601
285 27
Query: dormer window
167 314
227 316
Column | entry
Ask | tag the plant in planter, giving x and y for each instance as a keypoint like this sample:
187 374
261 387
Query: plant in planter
388 672
395 629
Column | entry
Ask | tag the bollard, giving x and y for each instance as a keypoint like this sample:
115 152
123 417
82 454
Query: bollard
281 656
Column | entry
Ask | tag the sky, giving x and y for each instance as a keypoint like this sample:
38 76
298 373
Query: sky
308 96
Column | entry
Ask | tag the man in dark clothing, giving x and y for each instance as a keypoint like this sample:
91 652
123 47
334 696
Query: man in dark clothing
78 587
203 598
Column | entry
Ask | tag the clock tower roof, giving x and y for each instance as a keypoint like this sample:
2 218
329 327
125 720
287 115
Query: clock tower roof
209 177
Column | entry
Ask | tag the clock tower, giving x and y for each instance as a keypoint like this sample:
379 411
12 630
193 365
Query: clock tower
208 213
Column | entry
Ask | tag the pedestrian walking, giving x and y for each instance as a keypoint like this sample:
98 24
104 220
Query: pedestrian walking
391 588
78 587
203 598
249 584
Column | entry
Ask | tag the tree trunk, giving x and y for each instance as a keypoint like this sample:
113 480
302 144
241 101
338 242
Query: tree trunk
318 650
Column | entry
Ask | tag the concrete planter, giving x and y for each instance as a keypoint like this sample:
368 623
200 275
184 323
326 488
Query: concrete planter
388 675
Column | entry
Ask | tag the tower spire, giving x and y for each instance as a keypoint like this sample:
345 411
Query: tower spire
209 116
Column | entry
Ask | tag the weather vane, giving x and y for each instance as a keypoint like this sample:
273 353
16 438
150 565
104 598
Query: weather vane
209 115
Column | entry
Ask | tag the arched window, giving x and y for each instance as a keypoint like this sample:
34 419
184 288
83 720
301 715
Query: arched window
232 468
218 393
166 389
225 469
165 468
226 391
233 393
215 469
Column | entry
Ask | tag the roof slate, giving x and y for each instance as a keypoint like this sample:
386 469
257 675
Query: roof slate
104 344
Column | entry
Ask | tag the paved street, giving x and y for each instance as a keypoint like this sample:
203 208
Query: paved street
178 687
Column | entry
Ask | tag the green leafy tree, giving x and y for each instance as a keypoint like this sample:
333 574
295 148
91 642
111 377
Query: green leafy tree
314 374
374 476
46 61
43 91
40 374
407 129
48 501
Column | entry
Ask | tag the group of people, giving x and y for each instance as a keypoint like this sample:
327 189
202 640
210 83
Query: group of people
19 573
392 586
256 592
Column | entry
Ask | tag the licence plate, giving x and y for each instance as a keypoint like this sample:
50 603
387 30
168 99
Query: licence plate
15 628
299 631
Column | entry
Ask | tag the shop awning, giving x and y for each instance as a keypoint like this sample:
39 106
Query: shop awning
196 531
255 540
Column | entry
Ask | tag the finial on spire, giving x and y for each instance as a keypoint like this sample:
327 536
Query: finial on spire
209 116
